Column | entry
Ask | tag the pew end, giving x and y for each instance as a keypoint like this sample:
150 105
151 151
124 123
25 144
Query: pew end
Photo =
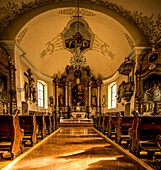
29 124
10 135
143 134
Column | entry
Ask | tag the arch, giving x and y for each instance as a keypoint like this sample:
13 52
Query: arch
28 12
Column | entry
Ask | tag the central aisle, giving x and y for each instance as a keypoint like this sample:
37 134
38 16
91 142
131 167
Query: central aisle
76 149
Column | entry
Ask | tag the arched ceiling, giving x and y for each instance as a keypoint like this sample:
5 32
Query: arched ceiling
116 28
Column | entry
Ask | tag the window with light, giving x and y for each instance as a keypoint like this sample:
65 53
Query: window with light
40 94
112 92
113 96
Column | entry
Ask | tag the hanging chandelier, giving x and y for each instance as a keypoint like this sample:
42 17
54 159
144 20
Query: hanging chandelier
79 43
78 61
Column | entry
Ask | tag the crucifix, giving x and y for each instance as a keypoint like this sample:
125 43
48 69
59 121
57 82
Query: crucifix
30 91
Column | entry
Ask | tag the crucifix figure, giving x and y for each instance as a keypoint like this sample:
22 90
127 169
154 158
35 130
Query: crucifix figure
30 91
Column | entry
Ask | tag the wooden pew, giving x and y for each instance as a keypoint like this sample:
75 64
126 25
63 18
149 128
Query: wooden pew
96 122
158 140
143 134
48 124
53 123
40 120
100 123
11 133
105 123
111 130
29 124
122 127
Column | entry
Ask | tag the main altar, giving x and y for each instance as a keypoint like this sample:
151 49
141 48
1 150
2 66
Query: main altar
77 93
78 115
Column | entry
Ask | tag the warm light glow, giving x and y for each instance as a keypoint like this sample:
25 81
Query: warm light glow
77 108
73 164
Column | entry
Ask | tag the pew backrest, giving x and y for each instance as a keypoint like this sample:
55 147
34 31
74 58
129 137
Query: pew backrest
10 131
29 124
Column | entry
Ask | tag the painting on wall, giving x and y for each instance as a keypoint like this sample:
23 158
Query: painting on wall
152 88
3 87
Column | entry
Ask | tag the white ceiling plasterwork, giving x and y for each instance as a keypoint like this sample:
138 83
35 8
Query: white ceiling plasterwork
40 29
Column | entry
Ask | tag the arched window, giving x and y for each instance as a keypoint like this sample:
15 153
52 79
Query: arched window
113 96
112 92
42 94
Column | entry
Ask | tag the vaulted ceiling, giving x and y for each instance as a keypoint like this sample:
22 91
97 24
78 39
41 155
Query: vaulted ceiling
116 27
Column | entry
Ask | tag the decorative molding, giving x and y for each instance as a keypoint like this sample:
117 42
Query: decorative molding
8 44
111 79
54 45
74 12
150 28
42 76
64 40
21 35
102 47
130 41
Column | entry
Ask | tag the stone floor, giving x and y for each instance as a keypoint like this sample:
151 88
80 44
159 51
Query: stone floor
76 148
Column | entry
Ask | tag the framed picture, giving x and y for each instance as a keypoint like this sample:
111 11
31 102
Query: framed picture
3 88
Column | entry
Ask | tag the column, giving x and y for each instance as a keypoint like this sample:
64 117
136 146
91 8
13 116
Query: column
98 96
89 97
56 93
70 94
9 46
56 113
66 114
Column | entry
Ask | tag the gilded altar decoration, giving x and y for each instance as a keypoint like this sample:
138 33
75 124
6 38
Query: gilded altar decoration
76 91
51 101
152 88
3 88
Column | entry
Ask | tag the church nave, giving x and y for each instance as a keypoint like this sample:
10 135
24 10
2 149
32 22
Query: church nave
76 148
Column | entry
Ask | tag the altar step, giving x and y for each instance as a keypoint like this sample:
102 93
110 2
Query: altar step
76 123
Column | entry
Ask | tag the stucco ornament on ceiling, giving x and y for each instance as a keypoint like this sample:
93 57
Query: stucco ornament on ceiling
21 35
149 27
130 41
83 37
51 46
76 12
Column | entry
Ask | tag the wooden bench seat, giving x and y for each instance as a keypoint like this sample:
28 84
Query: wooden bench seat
122 127
105 123
111 130
29 124
40 120
10 135
48 124
143 134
